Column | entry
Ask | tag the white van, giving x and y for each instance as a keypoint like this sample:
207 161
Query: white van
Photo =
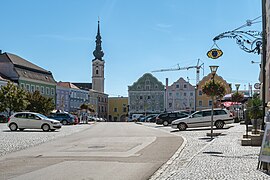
203 119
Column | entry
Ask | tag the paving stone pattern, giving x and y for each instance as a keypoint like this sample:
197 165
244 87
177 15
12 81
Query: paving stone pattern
18 140
222 158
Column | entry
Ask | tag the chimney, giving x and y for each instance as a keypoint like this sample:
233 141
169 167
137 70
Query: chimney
167 83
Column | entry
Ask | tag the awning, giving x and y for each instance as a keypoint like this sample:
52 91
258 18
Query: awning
229 103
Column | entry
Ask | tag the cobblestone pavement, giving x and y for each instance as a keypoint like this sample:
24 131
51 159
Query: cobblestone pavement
15 141
200 158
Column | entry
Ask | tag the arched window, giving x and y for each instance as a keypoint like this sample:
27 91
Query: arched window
96 71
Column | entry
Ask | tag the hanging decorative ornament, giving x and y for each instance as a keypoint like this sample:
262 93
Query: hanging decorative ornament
214 53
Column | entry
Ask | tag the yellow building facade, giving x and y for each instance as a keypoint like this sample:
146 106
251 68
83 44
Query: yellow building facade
205 102
118 109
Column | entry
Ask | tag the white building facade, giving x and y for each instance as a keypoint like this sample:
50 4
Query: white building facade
180 96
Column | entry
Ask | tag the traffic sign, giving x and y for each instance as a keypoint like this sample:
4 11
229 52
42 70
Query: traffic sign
257 85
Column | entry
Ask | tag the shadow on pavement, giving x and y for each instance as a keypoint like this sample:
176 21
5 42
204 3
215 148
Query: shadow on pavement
25 131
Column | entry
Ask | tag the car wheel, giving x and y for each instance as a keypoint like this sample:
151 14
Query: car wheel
13 127
165 123
45 127
21 129
182 126
219 124
64 122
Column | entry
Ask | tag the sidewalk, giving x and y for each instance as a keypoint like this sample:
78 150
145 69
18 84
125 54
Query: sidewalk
222 158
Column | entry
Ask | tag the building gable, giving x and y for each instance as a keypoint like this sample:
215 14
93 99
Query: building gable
147 83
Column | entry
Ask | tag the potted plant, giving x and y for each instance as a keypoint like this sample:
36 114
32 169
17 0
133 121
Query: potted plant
214 89
255 111
237 97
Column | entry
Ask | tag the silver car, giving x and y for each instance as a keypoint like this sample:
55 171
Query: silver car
31 120
203 119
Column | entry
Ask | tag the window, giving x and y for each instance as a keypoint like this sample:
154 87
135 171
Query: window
185 94
37 88
170 94
22 85
200 103
170 105
185 86
210 103
47 91
163 115
200 92
21 115
207 113
96 71
172 115
177 94
177 86
32 88
28 87
42 90
115 110
141 97
191 94
148 97
124 109
52 91
198 114
219 112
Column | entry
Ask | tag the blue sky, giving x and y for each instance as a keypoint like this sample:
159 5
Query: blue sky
138 36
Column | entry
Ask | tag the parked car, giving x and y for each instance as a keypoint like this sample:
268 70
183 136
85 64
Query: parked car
151 118
76 119
31 120
64 118
135 117
3 119
91 118
203 119
167 118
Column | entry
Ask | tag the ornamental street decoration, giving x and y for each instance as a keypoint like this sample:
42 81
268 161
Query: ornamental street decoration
214 53
249 41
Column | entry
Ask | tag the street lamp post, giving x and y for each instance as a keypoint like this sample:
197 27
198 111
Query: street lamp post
213 72
237 88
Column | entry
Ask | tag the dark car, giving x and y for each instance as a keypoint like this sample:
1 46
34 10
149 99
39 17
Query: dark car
3 119
167 118
152 119
64 118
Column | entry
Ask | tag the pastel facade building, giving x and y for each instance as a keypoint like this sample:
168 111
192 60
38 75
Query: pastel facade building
146 96
202 100
180 96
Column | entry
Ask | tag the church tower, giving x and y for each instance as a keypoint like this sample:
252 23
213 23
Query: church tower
98 65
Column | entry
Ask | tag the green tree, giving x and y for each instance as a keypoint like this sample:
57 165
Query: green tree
87 107
39 103
12 98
